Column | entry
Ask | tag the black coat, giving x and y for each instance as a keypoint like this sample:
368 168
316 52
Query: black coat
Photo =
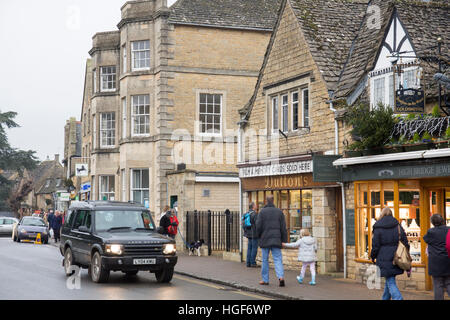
271 227
438 260
57 223
250 233
384 245
165 223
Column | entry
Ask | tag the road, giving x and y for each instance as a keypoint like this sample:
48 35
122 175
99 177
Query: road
31 271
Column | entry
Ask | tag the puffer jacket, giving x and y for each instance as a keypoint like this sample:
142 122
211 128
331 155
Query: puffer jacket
438 260
384 245
307 247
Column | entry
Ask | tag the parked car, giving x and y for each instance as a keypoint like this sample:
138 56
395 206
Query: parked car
105 236
7 225
29 227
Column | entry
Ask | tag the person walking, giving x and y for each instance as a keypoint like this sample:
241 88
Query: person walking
249 226
271 232
169 223
307 248
384 245
438 259
57 223
50 219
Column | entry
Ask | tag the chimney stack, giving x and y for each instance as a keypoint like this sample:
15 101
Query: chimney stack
57 158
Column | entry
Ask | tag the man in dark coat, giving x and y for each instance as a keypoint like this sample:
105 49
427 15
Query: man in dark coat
438 260
250 234
384 245
271 231
57 223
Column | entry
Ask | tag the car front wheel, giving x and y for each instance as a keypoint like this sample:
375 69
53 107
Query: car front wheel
165 275
98 273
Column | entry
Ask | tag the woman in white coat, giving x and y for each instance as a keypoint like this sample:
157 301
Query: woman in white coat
307 247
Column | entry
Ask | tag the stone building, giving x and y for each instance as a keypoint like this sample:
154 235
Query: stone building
322 57
72 152
161 101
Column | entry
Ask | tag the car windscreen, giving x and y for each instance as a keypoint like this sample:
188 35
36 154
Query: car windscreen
126 220
33 222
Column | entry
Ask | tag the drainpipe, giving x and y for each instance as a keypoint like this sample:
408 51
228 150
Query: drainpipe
344 222
241 202
344 229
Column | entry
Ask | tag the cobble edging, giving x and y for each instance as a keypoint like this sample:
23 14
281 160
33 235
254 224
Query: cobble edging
240 286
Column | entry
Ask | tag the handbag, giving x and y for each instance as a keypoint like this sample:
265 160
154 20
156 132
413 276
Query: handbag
402 258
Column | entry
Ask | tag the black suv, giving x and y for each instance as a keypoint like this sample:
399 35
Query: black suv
105 236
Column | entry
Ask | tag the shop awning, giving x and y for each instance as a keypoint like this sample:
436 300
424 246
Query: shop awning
413 155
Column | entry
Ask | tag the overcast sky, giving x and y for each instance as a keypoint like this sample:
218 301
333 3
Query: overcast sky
44 47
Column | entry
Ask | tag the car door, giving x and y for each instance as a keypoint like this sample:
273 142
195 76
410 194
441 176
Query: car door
75 235
8 225
2 226
85 238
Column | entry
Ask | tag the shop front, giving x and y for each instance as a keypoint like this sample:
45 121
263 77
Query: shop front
414 190
306 204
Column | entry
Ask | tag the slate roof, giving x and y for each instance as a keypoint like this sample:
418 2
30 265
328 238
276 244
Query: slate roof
47 170
237 14
345 50
423 21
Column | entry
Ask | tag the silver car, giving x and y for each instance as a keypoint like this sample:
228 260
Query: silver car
7 225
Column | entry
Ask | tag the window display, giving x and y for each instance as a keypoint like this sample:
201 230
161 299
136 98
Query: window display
402 197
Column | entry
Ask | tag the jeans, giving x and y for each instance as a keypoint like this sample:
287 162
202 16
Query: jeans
252 250
440 284
391 290
277 260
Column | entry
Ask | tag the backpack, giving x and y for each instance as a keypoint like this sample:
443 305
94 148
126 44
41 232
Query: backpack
173 229
246 219
401 257
447 243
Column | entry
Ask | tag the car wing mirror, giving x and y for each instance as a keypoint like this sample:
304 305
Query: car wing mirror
84 229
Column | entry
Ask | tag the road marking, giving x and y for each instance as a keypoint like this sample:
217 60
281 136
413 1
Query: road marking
207 284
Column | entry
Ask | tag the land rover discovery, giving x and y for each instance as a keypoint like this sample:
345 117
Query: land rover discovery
105 236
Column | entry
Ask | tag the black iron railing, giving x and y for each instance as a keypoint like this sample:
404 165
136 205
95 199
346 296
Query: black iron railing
219 229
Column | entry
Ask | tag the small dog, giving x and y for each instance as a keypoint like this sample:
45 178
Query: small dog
195 246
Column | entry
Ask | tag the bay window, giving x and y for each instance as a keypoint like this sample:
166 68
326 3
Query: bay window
107 130
140 109
107 188
140 185
140 55
108 79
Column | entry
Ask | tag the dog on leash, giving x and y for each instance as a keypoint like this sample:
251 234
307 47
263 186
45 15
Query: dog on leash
195 247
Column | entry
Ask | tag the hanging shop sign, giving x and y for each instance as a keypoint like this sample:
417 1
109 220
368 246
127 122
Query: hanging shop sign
277 169
81 170
409 101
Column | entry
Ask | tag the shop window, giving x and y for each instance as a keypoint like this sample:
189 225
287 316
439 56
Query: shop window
447 207
402 197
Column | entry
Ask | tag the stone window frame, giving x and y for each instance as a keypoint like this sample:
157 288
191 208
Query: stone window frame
124 108
223 104
124 63
111 78
289 89
110 129
108 191
140 189
94 80
133 52
303 90
133 116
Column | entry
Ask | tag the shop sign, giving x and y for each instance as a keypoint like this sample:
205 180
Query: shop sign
81 170
85 187
388 172
409 101
64 196
297 181
277 169
323 169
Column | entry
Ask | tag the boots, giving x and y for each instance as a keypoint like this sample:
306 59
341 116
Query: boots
300 279
313 280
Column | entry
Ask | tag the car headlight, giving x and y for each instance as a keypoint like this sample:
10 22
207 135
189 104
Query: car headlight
169 248
114 249
23 231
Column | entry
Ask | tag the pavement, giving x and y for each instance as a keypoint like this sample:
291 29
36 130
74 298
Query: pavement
236 275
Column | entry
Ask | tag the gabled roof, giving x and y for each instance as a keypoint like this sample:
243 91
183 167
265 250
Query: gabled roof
47 170
424 22
235 14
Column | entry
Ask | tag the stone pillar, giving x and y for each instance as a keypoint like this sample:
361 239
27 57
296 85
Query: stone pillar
324 229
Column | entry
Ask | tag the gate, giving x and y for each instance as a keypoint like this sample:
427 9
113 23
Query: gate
219 229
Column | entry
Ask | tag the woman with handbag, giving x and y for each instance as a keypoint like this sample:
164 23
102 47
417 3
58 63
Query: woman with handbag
387 233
